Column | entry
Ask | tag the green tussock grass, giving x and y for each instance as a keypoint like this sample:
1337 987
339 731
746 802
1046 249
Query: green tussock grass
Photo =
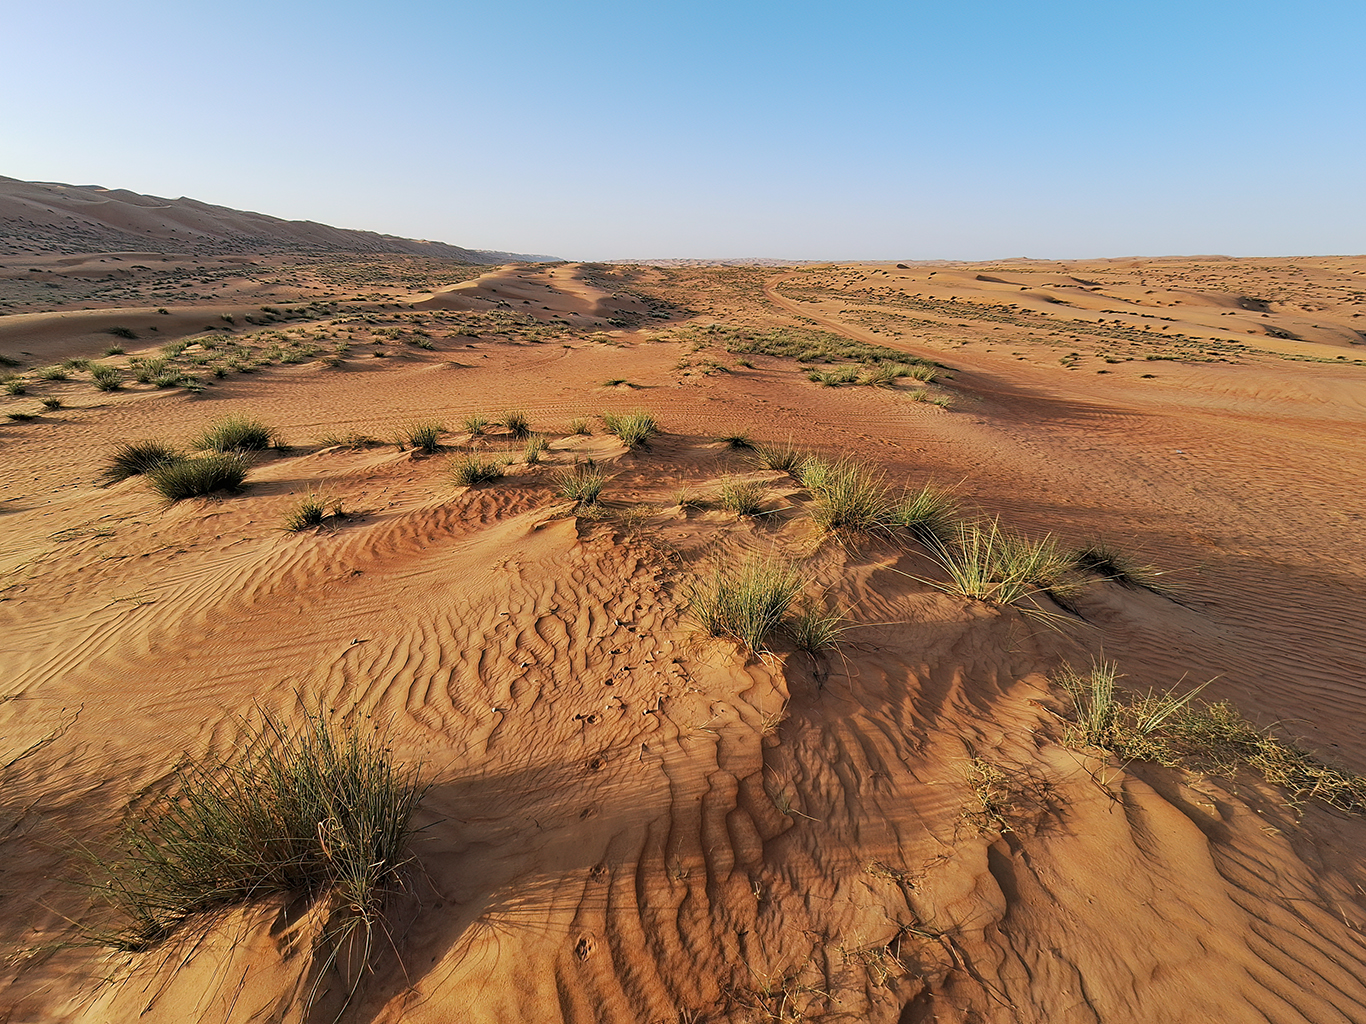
737 440
310 511
197 477
469 470
517 424
745 602
316 814
424 436
580 425
930 514
634 429
1109 563
785 458
133 458
846 495
743 497
474 424
814 628
234 434
985 563
106 378
583 486
535 449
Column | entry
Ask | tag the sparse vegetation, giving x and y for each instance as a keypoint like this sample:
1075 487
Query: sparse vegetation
106 378
318 813
135 457
745 603
743 497
929 514
579 425
846 496
1109 563
785 458
814 628
987 564
51 403
200 476
737 440
123 332
234 434
16 386
583 485
469 470
517 424
535 448
474 424
633 428
424 436
312 510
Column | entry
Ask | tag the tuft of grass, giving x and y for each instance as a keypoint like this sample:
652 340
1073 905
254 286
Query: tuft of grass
122 332
135 457
847 496
234 434
633 428
612 382
987 564
579 425
785 458
738 440
470 469
22 417
535 448
745 603
194 478
929 514
51 403
474 424
16 386
743 497
517 424
926 373
815 629
318 814
54 373
583 486
313 509
106 378
114 350
1109 563
424 436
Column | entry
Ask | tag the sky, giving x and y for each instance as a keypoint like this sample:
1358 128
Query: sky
796 130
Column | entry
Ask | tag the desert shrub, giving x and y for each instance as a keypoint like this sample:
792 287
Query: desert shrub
54 373
583 485
633 428
814 628
1109 563
106 378
16 386
122 332
75 364
312 510
234 434
51 402
474 424
745 602
114 350
315 814
193 478
743 497
424 436
929 514
135 457
517 424
579 425
535 448
470 469
150 369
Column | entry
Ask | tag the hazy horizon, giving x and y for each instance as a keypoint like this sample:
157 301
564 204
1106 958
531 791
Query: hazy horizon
1053 131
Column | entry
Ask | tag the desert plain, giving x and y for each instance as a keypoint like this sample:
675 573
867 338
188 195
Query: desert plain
627 818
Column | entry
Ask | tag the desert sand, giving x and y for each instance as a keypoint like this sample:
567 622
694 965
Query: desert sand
632 821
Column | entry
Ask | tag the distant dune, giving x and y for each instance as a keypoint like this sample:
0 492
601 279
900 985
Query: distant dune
52 217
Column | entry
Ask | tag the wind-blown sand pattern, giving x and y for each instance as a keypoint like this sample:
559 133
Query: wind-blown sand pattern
629 821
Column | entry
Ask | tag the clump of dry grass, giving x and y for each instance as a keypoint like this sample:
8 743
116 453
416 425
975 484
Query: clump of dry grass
785 458
743 497
198 477
745 602
423 436
132 458
469 470
1177 730
235 434
312 814
583 486
1109 563
634 429
312 510
985 563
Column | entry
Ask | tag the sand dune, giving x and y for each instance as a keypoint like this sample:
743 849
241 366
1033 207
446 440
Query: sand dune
630 821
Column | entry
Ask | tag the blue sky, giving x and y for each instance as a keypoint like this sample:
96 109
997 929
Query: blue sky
590 130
